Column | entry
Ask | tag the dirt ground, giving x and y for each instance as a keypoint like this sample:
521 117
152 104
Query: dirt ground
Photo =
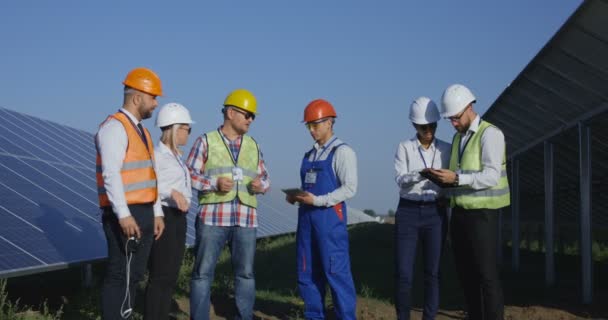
369 309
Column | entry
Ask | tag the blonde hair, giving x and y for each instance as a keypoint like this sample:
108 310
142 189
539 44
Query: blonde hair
168 137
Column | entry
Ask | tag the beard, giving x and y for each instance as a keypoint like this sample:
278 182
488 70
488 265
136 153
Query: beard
144 112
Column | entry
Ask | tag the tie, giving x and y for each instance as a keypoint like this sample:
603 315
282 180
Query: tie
142 134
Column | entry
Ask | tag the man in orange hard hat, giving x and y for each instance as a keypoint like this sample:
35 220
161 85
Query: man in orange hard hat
329 177
126 181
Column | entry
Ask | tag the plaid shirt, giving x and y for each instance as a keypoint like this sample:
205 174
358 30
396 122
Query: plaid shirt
226 214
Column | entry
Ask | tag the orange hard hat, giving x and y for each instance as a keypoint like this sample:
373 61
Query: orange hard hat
145 80
318 109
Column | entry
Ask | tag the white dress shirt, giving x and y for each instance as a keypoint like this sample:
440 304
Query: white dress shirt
112 141
344 164
492 156
172 174
411 158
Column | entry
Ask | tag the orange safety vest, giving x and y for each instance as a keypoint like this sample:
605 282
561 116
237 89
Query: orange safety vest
138 176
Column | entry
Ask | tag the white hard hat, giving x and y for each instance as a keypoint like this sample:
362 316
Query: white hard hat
455 98
423 111
173 113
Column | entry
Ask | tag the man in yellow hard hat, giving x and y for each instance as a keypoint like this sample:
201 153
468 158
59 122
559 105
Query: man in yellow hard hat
128 196
228 171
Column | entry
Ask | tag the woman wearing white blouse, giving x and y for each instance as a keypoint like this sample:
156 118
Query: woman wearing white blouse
174 190
419 220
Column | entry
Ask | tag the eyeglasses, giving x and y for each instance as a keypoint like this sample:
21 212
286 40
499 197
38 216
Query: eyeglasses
189 129
425 127
247 115
457 118
315 125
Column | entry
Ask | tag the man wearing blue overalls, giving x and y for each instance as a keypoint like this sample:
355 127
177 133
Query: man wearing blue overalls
329 177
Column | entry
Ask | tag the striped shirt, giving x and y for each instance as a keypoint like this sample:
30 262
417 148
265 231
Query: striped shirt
226 214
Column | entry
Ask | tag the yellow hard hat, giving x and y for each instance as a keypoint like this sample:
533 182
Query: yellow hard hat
242 99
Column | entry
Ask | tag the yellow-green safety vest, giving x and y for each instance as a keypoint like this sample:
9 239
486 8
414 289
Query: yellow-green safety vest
470 162
220 163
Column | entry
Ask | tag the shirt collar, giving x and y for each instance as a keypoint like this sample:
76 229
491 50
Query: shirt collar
475 124
224 137
327 144
130 115
163 148
419 145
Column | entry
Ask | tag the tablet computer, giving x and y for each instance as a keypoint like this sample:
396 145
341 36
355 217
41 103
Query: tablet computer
293 191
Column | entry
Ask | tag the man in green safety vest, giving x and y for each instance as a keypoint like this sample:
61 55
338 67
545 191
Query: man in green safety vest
478 176
228 172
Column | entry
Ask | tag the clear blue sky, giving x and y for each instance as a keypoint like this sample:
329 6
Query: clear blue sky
64 61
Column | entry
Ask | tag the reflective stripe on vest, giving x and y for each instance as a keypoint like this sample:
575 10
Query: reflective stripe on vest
468 198
220 163
137 171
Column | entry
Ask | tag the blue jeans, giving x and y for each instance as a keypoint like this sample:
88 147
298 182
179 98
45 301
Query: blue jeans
210 241
424 223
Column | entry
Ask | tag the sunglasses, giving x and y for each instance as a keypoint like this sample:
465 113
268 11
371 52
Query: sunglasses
247 115
425 127
187 129
457 117
316 124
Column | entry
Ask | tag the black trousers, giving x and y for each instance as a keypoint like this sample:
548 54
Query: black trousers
474 236
164 264
114 284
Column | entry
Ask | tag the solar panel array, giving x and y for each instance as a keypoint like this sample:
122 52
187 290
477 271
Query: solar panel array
48 208
49 216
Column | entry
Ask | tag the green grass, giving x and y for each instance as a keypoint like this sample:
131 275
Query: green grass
372 261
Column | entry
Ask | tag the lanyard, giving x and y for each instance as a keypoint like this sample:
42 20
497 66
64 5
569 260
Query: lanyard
461 152
234 158
424 161
183 166
314 156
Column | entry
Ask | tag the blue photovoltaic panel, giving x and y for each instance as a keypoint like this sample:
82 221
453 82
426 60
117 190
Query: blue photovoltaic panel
49 217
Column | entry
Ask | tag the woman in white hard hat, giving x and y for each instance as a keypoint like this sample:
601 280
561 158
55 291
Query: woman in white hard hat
419 218
174 189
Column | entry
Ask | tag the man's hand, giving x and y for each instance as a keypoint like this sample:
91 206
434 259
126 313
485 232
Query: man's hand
129 227
290 198
180 200
443 175
305 198
159 227
256 185
224 184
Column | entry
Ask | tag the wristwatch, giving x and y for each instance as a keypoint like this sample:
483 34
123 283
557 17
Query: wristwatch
455 183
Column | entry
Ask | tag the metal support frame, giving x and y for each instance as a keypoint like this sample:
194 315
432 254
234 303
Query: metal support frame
585 188
549 214
515 214
87 275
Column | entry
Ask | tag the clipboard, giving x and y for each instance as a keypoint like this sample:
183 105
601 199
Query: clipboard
293 191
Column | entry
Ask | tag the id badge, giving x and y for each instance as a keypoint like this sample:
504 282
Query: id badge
237 174
311 177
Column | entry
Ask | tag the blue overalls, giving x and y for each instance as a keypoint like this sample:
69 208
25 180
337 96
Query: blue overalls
322 245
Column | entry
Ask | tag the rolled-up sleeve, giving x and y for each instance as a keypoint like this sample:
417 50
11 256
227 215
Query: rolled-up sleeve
345 166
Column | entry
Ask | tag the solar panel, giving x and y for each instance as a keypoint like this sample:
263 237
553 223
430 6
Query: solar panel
49 216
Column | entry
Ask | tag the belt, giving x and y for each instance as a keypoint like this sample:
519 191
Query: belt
419 203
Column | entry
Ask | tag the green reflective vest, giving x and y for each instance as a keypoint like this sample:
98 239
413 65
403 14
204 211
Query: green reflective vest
466 197
220 164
